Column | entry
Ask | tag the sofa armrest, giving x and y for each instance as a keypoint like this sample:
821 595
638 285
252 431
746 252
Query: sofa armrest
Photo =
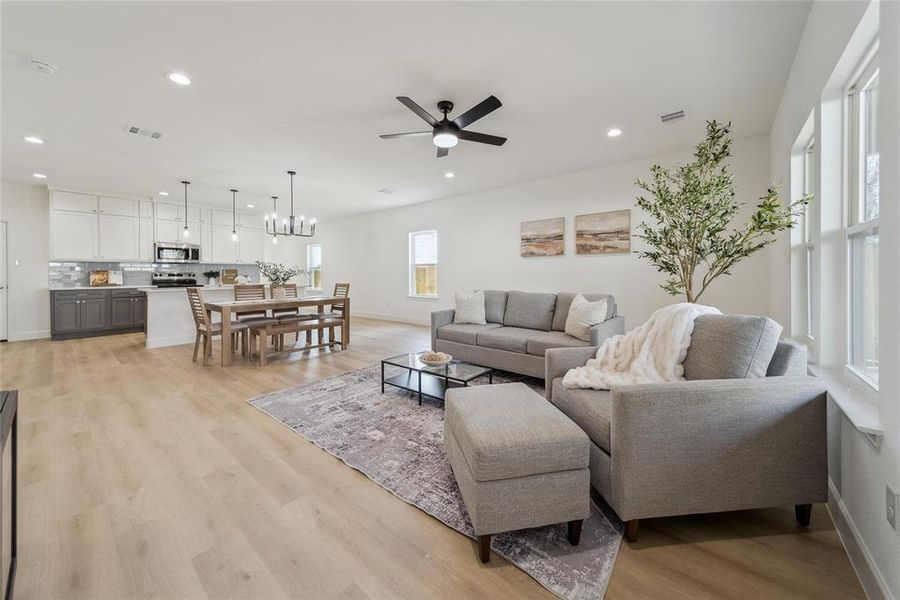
439 318
717 445
608 328
557 361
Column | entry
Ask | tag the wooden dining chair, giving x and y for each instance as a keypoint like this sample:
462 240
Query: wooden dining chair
250 291
336 311
283 315
206 329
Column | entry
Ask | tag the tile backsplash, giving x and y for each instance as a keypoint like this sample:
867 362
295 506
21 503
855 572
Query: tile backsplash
74 274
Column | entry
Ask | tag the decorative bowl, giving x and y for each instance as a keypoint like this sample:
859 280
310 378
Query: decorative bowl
436 363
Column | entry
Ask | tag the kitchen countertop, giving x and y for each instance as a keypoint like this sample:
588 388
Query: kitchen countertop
96 287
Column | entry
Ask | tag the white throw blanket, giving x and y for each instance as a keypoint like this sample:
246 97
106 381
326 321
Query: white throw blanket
650 353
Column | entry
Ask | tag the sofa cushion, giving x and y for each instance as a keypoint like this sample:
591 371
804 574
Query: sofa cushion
731 347
463 333
530 310
508 430
590 409
469 308
583 315
789 359
495 305
564 300
512 339
540 342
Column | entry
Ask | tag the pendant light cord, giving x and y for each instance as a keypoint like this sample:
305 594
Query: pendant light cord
233 211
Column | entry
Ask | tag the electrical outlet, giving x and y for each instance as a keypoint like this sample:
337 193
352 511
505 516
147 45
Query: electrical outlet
892 506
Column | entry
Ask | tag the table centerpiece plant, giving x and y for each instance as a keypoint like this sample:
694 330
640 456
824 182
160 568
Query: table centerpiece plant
211 277
278 275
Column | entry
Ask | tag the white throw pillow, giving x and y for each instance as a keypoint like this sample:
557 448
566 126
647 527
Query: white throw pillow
583 315
470 308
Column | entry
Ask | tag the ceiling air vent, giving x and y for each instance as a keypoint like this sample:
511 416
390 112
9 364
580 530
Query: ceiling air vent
672 116
155 135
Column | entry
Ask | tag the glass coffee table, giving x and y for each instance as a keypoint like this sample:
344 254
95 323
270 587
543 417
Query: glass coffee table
433 382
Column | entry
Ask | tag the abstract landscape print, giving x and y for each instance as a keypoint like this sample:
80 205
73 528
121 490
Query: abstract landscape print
603 233
543 238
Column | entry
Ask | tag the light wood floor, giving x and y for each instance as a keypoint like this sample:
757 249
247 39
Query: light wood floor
144 475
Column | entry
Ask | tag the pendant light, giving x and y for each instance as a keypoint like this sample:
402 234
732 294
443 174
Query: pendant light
289 226
234 235
186 232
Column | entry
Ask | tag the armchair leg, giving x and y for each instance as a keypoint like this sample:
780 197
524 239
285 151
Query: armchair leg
803 513
631 530
574 531
484 548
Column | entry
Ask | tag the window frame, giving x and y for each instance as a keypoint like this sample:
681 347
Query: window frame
810 238
310 279
855 225
411 264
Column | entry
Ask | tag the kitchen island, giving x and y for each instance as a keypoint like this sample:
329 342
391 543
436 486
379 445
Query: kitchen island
169 318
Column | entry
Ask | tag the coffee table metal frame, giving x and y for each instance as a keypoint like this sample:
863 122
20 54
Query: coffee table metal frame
436 380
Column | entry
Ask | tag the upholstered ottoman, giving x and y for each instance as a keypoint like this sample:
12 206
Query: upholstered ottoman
519 461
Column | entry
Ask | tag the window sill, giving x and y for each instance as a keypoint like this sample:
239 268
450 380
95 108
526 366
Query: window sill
423 296
859 410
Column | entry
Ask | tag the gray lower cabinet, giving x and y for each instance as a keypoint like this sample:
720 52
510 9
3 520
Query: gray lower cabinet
84 313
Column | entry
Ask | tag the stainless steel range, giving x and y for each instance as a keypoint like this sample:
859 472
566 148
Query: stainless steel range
170 279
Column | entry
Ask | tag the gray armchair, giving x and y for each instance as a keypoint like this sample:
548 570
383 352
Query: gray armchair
703 445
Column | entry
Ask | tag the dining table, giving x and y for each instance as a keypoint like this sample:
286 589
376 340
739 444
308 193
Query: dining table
227 308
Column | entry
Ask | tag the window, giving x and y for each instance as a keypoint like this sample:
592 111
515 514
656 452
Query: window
314 266
862 224
809 233
423 264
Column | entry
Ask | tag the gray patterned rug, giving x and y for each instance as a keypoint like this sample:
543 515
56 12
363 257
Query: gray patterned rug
400 445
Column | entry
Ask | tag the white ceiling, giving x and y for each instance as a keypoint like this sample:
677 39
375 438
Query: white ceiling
310 86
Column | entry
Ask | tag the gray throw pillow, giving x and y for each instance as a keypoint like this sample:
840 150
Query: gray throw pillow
494 305
731 347
530 310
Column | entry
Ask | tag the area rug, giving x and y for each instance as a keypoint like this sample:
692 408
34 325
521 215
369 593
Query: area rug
400 445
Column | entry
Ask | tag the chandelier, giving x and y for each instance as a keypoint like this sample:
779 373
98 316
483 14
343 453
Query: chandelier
292 226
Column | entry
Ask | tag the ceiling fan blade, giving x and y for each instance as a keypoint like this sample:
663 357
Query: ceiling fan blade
418 110
472 136
442 152
485 107
390 136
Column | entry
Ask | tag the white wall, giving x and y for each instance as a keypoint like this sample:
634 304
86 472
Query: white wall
835 38
479 244
26 209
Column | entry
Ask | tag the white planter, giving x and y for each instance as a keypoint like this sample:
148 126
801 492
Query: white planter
211 281
279 293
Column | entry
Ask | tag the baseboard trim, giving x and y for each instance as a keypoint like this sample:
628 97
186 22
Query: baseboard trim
175 340
390 318
867 572
37 334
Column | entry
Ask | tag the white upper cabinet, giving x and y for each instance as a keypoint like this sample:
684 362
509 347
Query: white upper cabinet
168 212
223 250
220 217
146 210
146 239
74 202
193 214
169 231
118 206
251 220
119 237
73 235
252 244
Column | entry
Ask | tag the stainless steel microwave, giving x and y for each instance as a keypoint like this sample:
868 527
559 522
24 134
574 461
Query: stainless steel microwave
176 253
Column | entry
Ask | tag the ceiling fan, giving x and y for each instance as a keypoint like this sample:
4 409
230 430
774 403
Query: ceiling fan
446 133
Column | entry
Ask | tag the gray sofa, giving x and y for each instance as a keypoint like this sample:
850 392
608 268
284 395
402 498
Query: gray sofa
521 327
745 430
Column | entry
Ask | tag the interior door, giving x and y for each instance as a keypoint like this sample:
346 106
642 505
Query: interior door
4 304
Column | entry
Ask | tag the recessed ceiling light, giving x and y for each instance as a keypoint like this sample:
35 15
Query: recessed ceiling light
33 139
39 175
614 132
164 193
449 175
180 78
249 206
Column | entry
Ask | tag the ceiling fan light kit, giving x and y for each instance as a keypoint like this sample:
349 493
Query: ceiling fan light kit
445 134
